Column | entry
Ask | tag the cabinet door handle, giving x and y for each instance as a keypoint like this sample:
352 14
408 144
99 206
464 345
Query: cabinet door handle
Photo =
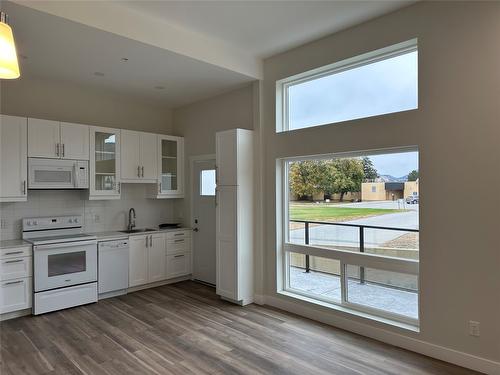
57 149
179 234
14 282
147 241
142 171
14 252
179 240
138 171
119 187
216 175
178 256
24 187
159 187
151 241
63 149
14 261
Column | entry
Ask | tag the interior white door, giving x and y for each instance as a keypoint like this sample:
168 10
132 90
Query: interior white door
13 168
74 141
44 138
149 157
203 200
130 155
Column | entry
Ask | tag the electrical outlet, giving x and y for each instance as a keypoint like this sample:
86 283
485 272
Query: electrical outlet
474 328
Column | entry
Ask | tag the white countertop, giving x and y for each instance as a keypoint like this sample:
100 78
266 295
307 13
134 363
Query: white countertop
116 235
11 244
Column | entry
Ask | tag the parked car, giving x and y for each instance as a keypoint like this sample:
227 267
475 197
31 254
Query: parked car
412 199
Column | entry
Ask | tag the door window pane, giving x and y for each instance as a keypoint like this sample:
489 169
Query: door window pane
207 182
66 263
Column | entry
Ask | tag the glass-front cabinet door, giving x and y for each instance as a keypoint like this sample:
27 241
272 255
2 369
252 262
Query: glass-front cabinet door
170 166
104 163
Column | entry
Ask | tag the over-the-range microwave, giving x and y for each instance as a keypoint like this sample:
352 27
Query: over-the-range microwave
58 174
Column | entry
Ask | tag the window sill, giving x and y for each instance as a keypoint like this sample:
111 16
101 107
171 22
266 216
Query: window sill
349 311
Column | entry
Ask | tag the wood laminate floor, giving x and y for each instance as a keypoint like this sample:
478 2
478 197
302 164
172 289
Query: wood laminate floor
185 328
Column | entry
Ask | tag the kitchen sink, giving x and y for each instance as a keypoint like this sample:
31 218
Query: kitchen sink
141 230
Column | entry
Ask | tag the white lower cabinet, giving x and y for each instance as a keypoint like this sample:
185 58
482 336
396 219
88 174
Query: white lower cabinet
15 295
157 260
159 256
15 279
178 265
138 260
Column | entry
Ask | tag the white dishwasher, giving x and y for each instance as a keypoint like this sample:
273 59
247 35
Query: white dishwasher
112 268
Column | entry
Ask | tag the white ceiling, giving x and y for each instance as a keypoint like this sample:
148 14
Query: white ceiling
265 28
194 49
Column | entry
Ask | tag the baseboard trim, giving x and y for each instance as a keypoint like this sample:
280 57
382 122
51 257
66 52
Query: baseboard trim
423 347
259 299
158 283
15 314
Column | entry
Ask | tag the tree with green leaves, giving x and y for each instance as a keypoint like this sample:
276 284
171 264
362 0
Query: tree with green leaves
348 177
341 176
413 175
369 169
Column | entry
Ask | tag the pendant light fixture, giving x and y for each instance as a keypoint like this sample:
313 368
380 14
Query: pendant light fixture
9 68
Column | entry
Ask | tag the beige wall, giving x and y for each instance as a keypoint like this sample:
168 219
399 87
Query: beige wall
411 187
198 123
69 102
455 128
368 195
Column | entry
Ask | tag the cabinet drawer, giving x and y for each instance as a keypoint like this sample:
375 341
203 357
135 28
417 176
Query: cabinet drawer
15 268
15 252
179 234
15 295
178 265
178 245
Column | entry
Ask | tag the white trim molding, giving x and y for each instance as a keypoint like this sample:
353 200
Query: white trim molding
456 357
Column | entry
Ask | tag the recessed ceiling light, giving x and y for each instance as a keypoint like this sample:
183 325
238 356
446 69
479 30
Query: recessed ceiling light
124 59
99 74
160 87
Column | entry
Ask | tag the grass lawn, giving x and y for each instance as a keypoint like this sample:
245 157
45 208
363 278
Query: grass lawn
334 213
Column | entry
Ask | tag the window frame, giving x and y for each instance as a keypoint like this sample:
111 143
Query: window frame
282 86
285 247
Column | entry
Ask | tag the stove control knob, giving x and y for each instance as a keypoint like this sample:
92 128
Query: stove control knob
75 221
28 223
70 220
35 222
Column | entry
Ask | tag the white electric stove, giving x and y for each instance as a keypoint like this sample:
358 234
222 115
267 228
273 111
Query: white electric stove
64 263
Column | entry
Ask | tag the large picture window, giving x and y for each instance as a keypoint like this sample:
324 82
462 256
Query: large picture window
376 83
351 232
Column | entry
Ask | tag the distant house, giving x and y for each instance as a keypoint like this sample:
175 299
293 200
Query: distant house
383 191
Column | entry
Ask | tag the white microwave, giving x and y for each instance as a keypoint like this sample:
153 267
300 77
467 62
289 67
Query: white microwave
58 174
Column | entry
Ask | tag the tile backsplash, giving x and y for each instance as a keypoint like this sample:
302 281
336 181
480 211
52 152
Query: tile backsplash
99 216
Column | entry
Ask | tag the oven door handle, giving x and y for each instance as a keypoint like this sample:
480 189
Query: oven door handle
64 244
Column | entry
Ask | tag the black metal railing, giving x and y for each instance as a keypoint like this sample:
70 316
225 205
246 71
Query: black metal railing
361 227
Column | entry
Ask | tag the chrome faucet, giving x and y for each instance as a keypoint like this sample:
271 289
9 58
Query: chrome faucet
131 220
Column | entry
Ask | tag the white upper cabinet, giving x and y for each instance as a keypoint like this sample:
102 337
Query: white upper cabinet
170 167
44 138
13 159
139 154
104 163
149 155
53 139
232 149
74 141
